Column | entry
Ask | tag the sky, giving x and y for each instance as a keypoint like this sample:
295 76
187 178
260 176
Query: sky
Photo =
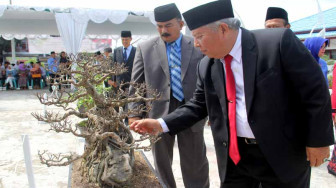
251 12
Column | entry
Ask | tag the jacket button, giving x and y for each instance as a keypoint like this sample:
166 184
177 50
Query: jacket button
252 121
168 85
225 144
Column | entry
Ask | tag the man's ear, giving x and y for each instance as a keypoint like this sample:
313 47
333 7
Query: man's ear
181 23
223 27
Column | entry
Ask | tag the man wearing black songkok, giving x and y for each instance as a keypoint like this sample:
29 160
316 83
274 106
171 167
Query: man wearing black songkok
276 18
168 64
124 54
268 105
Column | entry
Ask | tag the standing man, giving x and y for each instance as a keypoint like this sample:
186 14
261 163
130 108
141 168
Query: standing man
107 52
168 64
53 68
124 54
108 55
276 18
269 108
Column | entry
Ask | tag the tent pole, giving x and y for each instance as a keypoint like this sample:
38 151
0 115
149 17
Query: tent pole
13 51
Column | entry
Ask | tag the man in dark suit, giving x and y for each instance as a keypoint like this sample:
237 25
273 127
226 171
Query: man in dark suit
266 99
276 17
167 63
124 54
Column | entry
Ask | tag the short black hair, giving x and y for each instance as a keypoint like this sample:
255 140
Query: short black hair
52 52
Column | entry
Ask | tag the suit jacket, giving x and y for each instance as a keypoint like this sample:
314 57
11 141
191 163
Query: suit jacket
151 67
118 57
287 101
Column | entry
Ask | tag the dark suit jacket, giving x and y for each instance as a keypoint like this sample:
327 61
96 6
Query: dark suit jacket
118 57
287 101
151 67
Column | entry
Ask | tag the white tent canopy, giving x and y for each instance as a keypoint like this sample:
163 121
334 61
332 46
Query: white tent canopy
40 21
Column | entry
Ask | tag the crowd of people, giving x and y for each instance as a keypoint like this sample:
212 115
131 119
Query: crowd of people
31 75
21 75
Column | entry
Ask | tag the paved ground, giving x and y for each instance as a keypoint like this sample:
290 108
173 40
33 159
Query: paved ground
16 120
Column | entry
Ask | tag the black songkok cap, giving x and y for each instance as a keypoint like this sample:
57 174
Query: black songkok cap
108 49
97 53
276 12
208 13
166 12
126 34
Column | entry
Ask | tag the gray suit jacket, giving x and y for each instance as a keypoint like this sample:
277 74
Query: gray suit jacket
151 66
118 57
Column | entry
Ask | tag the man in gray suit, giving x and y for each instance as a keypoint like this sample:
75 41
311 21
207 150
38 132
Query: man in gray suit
168 64
276 17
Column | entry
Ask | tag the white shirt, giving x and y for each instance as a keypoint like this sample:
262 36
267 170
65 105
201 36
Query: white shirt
243 127
128 50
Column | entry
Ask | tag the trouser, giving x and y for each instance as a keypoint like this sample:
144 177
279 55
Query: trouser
253 169
193 160
10 80
52 80
36 82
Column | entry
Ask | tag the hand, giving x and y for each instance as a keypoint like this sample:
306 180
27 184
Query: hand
112 83
150 126
316 156
132 119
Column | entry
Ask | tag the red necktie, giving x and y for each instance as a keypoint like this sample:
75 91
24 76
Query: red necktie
231 97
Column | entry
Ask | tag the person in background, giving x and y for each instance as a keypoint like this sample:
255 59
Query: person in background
168 63
43 71
36 75
266 99
63 59
16 66
332 163
23 74
10 74
98 57
2 74
317 46
124 54
53 69
276 17
108 55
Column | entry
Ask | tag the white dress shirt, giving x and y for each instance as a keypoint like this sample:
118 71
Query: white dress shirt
243 127
128 50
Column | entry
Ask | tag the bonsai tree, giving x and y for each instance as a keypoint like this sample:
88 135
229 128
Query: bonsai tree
108 156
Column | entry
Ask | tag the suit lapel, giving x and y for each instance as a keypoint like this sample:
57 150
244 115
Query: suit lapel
120 54
186 51
249 55
131 56
160 50
217 76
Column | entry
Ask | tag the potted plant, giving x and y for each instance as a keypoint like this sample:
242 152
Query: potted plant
108 157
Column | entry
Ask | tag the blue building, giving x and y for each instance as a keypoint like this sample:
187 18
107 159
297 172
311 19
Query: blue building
303 27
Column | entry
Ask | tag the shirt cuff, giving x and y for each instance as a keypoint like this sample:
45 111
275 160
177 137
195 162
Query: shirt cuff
163 125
